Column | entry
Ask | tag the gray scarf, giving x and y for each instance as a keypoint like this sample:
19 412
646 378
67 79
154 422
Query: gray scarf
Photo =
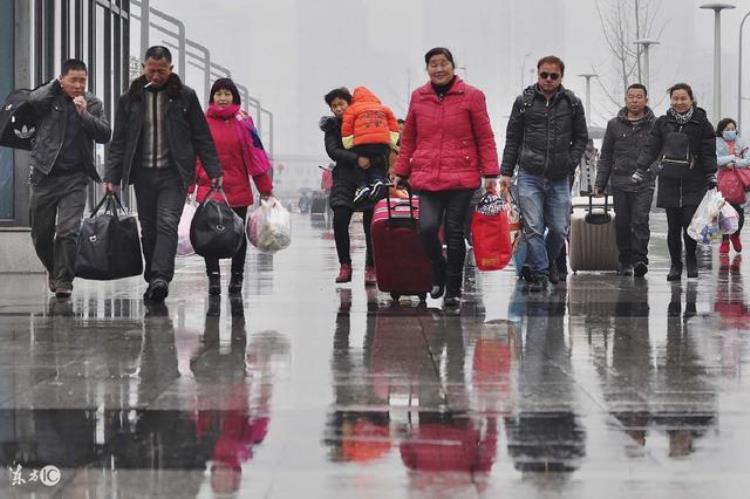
682 118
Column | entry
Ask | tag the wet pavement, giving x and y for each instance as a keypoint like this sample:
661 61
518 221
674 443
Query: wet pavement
303 388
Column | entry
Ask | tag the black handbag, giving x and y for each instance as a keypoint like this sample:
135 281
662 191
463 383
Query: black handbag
17 121
109 246
216 230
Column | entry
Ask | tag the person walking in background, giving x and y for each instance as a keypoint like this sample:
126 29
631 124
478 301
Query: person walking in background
242 156
446 148
370 129
624 139
159 129
69 121
732 152
546 136
683 140
344 185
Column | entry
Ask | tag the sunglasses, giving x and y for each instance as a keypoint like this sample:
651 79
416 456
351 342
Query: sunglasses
549 76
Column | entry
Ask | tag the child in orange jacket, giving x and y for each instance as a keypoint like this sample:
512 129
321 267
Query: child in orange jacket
370 129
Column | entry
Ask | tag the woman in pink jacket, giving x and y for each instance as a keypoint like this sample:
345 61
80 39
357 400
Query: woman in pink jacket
447 146
242 156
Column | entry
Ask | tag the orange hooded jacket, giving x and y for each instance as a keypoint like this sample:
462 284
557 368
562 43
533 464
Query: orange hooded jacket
367 121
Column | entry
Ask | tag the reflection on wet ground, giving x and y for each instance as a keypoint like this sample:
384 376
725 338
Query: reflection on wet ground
301 388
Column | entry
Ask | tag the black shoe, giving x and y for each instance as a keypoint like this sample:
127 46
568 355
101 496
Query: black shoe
438 281
692 269
675 273
377 190
452 305
235 284
157 310
554 274
640 269
63 290
214 284
157 291
361 194
538 283
625 270
526 273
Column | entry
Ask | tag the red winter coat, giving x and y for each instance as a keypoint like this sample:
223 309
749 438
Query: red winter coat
447 144
236 182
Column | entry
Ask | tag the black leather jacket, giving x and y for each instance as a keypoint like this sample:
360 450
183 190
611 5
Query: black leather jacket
545 138
187 131
49 105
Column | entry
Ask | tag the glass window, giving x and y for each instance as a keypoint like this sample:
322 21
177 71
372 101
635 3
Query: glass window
6 86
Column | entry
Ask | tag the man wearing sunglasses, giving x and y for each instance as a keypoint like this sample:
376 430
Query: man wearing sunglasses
546 137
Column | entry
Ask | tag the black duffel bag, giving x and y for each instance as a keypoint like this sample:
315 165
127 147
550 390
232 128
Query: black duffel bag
216 230
17 121
108 243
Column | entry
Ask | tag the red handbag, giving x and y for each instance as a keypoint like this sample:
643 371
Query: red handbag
744 175
731 186
490 233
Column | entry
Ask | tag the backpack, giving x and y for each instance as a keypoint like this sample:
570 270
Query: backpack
676 159
17 121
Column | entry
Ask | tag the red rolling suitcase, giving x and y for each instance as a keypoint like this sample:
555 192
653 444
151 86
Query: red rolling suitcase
401 263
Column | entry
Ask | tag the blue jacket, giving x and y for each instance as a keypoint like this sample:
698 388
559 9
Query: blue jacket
742 150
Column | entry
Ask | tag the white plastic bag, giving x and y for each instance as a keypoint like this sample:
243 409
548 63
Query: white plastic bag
269 228
704 227
184 247
729 219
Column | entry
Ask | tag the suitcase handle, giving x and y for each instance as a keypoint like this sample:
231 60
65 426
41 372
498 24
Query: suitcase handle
598 218
410 202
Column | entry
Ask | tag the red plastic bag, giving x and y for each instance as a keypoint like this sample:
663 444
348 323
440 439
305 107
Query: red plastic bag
490 233
731 186
744 176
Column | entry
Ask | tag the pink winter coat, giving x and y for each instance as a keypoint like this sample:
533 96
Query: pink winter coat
447 144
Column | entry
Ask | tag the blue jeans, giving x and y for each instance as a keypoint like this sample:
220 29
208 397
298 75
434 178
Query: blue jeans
545 206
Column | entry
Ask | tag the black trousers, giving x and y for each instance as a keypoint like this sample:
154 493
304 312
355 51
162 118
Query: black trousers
160 193
631 224
448 208
238 260
678 220
741 212
342 216
55 211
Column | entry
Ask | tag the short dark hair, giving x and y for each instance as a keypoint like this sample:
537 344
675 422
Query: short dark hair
225 84
158 52
73 65
682 86
638 86
338 93
439 51
552 59
723 124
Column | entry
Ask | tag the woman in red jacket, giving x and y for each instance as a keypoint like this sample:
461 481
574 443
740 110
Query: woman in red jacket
242 156
446 147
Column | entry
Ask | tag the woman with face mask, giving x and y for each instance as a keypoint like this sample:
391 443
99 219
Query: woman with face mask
732 152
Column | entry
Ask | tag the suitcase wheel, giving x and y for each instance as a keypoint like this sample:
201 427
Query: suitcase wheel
422 297
395 296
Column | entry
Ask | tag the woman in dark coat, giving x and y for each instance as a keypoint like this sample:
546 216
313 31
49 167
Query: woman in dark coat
684 143
344 185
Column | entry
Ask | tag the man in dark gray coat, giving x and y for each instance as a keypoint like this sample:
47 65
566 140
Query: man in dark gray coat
159 129
69 121
624 139
546 137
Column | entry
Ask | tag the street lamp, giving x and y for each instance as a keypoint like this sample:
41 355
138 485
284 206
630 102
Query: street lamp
645 44
717 8
588 77
739 72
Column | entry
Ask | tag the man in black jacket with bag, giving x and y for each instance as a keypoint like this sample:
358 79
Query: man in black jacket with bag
546 136
159 129
69 121
626 135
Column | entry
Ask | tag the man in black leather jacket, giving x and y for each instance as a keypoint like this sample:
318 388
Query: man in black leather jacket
159 129
546 136
69 121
